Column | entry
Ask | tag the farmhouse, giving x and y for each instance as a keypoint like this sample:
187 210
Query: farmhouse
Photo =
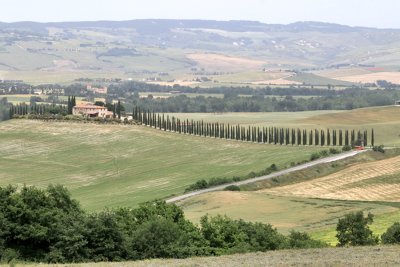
90 110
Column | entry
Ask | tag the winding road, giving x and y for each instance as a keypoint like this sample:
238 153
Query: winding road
269 176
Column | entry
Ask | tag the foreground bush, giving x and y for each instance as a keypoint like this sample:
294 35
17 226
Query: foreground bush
49 226
392 234
353 230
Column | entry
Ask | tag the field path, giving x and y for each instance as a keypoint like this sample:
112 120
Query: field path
266 177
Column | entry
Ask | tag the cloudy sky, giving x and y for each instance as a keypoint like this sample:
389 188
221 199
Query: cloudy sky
372 13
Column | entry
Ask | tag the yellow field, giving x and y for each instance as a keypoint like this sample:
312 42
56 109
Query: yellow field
393 77
374 181
342 72
226 63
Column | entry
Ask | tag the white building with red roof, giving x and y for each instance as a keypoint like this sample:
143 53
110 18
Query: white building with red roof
90 110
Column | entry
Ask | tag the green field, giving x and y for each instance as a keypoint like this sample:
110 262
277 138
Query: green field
114 165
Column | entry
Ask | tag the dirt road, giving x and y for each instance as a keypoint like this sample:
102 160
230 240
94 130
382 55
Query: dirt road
270 176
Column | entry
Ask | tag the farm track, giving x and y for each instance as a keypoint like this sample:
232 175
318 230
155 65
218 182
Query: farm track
267 177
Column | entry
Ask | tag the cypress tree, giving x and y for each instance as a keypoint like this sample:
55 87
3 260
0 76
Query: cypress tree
365 138
328 138
372 138
316 137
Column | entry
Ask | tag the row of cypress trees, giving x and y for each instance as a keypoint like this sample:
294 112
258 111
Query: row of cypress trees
270 135
40 109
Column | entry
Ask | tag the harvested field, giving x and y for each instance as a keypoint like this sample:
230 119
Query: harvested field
374 181
225 63
393 77
354 256
276 82
276 210
342 72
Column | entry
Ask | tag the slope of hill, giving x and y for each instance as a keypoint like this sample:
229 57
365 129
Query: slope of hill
114 165
161 49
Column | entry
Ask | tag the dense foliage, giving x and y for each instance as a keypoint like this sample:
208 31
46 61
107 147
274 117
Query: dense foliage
48 226
392 234
235 99
353 230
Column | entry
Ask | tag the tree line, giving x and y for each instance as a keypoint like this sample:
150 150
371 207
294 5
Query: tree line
269 135
47 225
39 109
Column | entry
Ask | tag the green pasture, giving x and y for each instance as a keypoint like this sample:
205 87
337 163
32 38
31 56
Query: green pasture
113 165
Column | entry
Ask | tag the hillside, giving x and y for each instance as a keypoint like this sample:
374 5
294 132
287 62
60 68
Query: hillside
181 51
114 165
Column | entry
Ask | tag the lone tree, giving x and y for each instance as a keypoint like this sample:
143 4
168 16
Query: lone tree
353 230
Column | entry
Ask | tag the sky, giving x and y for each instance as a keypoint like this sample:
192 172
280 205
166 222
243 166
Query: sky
369 13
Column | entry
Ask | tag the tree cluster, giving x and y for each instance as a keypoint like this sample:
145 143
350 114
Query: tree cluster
48 226
353 230
38 109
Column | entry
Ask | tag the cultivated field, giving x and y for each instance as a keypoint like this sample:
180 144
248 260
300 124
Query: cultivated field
278 204
227 63
282 212
373 181
393 77
124 165
355 256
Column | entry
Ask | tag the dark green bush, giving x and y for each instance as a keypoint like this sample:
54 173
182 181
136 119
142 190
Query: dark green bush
392 234
232 188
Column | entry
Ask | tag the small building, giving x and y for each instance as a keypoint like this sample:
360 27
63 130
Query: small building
92 111
397 103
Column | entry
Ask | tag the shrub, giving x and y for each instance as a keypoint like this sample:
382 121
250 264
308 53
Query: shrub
392 234
379 149
232 188
334 151
315 156
324 153
303 240
346 148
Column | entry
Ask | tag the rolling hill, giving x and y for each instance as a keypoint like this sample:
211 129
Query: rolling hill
183 50
114 165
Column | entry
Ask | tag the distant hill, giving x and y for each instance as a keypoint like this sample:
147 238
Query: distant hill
142 49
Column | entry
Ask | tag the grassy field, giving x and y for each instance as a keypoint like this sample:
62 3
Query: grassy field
284 213
384 120
287 203
356 256
125 165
